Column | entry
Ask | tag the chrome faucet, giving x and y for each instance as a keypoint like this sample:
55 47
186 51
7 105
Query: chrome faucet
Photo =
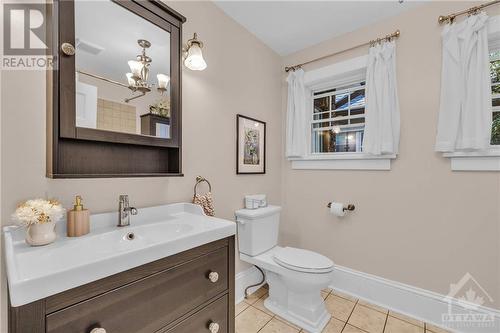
124 211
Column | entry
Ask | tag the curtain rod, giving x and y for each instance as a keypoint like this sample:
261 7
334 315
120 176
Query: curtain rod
395 34
473 10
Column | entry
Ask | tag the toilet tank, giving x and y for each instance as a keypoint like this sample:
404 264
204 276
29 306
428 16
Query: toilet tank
258 229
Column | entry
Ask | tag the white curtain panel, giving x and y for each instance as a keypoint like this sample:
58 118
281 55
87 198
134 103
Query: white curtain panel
465 113
382 120
296 115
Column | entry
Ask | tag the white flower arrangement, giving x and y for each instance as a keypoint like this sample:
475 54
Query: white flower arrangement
38 211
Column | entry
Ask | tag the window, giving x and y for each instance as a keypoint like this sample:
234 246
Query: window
338 119
488 160
495 91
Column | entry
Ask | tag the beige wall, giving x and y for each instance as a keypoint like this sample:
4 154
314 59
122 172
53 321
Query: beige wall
243 79
419 223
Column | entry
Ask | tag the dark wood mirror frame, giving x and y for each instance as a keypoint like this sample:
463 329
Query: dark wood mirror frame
77 152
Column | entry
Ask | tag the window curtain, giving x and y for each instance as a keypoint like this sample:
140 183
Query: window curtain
382 120
296 116
465 112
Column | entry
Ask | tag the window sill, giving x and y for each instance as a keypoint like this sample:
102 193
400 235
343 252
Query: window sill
475 161
342 161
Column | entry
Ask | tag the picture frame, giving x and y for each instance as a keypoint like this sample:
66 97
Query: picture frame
250 145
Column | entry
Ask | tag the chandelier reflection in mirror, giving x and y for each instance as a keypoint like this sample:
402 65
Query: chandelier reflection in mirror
139 73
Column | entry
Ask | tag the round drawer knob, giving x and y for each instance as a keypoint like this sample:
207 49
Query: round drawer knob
98 330
68 49
213 277
213 327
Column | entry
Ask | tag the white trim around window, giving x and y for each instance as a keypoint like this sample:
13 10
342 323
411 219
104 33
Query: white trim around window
343 161
475 161
338 74
488 160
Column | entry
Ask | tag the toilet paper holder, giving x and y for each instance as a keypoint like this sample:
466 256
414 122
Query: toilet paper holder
350 207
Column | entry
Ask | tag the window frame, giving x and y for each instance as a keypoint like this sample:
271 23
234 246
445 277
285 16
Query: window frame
324 78
489 159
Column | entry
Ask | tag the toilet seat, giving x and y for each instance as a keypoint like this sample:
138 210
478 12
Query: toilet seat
301 260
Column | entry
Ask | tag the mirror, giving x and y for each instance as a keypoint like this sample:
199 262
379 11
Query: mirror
122 71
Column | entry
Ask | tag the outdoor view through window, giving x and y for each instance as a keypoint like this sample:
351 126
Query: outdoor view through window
495 91
338 119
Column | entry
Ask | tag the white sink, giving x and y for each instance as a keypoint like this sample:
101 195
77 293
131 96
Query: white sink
156 232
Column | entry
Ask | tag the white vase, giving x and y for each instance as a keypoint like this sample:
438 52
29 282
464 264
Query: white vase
41 234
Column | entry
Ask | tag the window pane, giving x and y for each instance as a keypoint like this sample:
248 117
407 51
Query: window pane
495 130
323 141
323 124
358 120
356 112
348 141
340 101
340 122
336 114
357 99
322 115
321 104
494 70
496 102
327 141
495 92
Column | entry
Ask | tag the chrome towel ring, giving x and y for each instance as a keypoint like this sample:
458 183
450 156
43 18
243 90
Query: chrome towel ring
200 179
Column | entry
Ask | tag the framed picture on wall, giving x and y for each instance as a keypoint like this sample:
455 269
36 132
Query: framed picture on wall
250 145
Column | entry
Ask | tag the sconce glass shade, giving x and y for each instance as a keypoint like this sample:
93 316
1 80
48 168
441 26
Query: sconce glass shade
135 68
163 81
130 79
194 59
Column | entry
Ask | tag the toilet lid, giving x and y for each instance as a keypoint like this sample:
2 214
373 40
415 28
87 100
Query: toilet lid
303 260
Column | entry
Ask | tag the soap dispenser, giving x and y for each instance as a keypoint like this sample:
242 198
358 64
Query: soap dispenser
78 219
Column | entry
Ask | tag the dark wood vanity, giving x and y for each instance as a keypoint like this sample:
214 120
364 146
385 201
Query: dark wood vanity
190 292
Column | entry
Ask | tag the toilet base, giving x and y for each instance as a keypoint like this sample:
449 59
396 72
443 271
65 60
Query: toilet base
297 298
316 327
294 295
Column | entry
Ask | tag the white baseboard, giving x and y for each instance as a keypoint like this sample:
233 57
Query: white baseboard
245 279
414 302
418 303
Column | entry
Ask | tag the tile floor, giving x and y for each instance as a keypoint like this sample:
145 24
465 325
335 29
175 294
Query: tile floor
349 315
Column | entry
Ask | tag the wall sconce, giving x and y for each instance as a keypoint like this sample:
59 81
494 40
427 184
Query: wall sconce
194 56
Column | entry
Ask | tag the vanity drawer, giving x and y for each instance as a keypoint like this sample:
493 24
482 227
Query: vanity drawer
199 322
149 304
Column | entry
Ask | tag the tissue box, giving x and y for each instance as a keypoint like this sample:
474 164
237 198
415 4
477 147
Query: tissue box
255 201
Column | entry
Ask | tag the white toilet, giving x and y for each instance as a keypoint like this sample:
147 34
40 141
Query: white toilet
295 276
